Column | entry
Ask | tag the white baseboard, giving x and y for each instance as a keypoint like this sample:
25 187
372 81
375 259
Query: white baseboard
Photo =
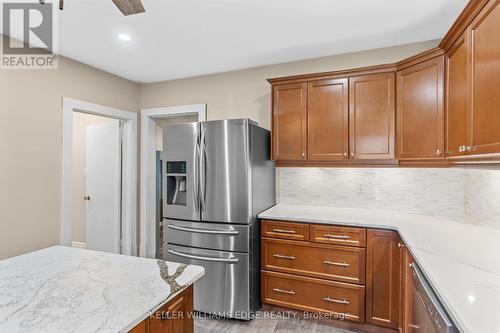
79 245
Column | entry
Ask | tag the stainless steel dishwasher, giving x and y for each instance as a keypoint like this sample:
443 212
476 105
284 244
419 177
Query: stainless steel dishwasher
428 316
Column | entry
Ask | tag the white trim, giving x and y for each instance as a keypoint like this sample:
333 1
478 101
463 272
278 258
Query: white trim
78 245
129 190
147 247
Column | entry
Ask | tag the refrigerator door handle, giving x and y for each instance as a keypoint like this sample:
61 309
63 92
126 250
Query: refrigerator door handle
190 256
196 166
203 169
205 231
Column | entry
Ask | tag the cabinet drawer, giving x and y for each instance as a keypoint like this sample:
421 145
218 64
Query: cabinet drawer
285 230
314 295
338 235
340 263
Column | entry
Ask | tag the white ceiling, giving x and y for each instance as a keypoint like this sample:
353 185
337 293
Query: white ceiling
183 38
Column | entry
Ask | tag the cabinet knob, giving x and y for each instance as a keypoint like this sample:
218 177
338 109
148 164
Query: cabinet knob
438 152
401 245
345 154
303 155
469 148
461 149
352 155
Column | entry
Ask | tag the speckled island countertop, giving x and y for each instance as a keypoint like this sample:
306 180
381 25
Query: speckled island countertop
63 289
461 260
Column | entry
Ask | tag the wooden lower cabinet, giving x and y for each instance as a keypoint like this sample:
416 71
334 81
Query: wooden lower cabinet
382 278
340 263
330 234
141 328
174 317
340 270
343 300
285 230
408 312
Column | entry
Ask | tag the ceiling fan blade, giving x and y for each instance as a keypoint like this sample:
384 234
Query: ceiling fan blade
129 7
61 3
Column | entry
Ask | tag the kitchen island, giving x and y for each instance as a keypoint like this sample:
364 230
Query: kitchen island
62 289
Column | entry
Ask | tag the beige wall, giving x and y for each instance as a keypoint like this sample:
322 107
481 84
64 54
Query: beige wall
246 93
30 145
80 123
30 125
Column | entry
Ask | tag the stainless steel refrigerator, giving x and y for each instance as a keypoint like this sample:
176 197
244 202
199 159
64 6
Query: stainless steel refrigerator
218 175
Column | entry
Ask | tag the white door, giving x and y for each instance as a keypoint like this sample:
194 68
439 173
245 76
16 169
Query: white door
103 186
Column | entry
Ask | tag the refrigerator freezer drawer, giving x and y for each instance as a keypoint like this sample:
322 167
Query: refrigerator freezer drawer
226 237
224 290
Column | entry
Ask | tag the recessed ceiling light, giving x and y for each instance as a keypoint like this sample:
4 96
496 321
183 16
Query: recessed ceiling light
124 37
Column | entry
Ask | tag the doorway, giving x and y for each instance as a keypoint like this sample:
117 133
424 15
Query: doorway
98 196
97 170
152 122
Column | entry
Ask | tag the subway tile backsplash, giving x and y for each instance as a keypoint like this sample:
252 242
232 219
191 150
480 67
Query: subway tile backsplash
461 194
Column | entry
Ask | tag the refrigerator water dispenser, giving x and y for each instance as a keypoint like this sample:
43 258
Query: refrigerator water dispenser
176 183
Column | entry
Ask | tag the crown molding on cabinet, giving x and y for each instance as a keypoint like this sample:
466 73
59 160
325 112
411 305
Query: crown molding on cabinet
335 74
462 22
419 58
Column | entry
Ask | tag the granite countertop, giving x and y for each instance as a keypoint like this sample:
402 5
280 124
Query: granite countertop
63 289
461 260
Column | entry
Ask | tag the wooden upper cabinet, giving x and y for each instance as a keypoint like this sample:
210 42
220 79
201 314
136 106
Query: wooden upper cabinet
372 116
290 121
328 119
420 110
383 270
457 99
484 34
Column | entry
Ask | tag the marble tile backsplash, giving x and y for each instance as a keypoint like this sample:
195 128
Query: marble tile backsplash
462 194
483 196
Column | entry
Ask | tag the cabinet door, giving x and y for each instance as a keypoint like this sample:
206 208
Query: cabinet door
372 116
485 105
457 99
328 119
175 316
289 121
410 317
420 106
382 278
142 327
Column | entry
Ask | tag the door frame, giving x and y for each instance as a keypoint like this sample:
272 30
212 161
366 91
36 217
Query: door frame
129 171
147 243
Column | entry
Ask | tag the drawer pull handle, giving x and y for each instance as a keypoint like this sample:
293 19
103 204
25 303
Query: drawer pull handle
333 263
338 301
337 236
282 231
289 292
283 257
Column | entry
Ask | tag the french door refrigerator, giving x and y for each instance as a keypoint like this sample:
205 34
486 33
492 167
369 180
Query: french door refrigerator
218 176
